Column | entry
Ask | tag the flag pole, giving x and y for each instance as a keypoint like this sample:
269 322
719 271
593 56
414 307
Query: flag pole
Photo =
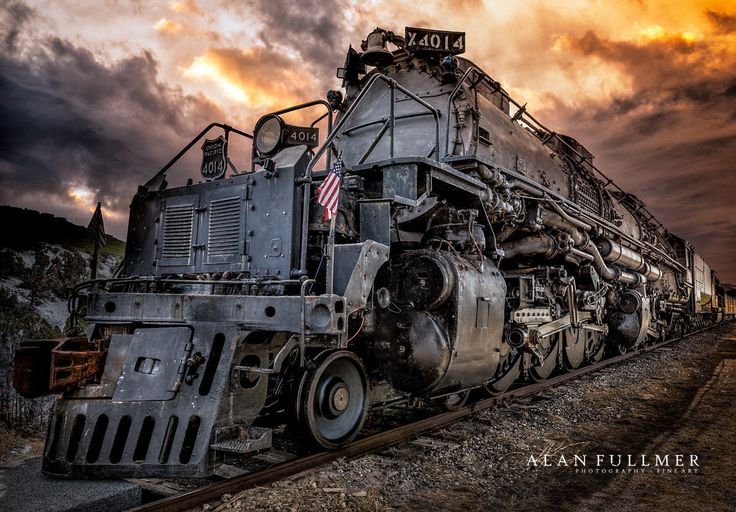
330 254
93 263
329 197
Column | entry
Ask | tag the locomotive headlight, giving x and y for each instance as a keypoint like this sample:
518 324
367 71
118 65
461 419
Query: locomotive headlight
268 134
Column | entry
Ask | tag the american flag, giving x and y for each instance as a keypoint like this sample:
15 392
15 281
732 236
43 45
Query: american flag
97 227
328 193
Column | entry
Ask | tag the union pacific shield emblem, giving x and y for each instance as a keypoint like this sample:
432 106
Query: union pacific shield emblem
214 158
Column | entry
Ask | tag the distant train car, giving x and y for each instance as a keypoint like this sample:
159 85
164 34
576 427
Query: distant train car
727 297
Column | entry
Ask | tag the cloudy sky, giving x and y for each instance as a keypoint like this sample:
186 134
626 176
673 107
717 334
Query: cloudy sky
95 96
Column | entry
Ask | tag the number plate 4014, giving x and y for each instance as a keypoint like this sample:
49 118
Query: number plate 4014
300 135
439 41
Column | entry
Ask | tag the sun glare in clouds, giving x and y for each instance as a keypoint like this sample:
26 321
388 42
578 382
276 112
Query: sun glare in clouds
256 78
658 33
82 196
167 26
202 69
85 200
187 6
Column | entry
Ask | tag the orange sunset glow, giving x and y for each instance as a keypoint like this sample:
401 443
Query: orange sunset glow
98 96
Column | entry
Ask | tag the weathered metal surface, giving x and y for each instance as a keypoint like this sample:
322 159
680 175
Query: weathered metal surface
439 343
160 433
155 365
44 367
357 287
276 313
247 223
375 221
241 439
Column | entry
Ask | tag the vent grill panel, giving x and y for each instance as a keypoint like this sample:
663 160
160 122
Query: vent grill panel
178 231
223 236
587 196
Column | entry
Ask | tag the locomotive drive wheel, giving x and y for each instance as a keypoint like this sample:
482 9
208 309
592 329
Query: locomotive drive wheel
333 401
573 348
595 345
508 371
542 371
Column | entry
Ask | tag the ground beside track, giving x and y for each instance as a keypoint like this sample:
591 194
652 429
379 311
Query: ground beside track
677 401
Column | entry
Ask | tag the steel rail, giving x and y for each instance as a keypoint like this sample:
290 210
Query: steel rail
382 440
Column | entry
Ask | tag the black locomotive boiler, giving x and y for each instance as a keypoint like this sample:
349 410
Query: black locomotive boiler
471 248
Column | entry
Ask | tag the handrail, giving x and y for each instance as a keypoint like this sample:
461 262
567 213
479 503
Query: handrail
389 124
392 85
450 99
225 127
293 109
573 207
527 118
348 131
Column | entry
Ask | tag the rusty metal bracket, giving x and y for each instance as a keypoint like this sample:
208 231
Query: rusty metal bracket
43 367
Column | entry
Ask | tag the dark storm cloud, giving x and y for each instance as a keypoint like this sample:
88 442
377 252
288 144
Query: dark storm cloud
66 118
12 24
671 140
724 23
316 29
665 62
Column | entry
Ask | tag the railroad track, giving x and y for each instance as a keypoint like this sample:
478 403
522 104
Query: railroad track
379 441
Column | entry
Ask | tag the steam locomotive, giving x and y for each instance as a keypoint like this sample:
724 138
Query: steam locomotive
472 248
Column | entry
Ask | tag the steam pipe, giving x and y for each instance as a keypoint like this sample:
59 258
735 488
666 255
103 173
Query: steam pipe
580 238
616 253
581 254
676 299
526 187
612 273
613 252
560 220
541 244
632 278
579 223
523 183
546 246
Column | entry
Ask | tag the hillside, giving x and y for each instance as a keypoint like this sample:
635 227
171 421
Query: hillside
41 258
25 229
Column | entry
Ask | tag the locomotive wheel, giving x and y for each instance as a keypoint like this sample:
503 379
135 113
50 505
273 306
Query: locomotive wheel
595 345
573 348
509 370
543 370
334 401
293 406
456 401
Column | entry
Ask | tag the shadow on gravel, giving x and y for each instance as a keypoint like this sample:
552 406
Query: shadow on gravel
679 414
